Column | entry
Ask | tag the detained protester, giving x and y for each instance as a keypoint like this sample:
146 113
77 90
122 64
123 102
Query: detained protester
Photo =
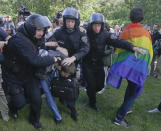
65 86
93 66
21 62
133 67
46 75
71 38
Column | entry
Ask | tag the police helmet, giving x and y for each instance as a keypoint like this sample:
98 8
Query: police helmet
36 21
71 13
97 18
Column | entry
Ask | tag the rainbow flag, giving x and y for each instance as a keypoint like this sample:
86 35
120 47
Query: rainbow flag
126 65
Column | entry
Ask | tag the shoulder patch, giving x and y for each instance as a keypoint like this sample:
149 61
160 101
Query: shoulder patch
84 39
113 36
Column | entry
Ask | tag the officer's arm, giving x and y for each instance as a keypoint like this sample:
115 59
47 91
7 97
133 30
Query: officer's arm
52 38
119 43
51 43
28 54
84 48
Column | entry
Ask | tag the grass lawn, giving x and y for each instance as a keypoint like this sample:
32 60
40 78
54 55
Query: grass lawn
90 120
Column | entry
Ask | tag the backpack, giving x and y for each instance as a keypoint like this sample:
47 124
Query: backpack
107 59
66 89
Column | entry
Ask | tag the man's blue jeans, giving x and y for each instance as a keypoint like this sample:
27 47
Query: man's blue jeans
129 99
45 84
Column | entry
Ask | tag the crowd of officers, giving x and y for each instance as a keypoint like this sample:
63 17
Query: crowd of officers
20 59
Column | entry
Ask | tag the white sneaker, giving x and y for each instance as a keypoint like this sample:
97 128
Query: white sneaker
130 111
85 89
154 111
101 91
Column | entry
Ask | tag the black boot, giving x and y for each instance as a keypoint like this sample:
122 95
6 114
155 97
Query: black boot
58 121
13 111
94 107
74 116
14 115
36 125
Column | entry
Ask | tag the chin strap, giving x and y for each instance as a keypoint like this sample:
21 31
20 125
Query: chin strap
70 30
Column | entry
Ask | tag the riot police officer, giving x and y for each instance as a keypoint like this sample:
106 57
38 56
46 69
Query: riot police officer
93 66
21 63
71 38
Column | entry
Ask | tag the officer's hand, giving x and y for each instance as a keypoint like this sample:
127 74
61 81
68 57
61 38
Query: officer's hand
8 37
82 29
68 61
139 50
51 44
56 59
62 50
2 43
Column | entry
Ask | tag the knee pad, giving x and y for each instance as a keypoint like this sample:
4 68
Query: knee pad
18 100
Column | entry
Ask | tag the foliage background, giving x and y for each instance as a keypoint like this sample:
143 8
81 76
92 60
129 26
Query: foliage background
115 11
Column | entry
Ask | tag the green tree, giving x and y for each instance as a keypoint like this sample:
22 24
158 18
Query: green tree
115 11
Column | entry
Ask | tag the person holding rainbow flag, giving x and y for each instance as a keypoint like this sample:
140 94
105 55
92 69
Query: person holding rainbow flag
131 66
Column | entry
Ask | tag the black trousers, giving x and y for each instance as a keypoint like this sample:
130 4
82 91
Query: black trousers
26 92
94 76
159 107
70 105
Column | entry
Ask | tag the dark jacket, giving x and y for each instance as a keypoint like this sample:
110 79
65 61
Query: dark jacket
3 34
76 42
21 56
98 43
155 36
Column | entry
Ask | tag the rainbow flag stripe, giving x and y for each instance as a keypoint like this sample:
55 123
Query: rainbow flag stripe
126 65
